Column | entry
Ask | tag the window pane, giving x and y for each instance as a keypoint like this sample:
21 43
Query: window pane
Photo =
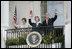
59 5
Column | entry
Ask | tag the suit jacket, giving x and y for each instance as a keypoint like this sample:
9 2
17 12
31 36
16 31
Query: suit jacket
50 21
34 28
48 28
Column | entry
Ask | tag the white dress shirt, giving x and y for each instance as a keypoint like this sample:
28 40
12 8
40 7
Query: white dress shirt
37 24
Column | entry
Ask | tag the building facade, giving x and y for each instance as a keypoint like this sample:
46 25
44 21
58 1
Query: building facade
39 9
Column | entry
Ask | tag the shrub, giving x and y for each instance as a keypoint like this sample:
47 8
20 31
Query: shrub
46 39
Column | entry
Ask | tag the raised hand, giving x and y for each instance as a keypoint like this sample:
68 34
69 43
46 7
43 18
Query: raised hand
55 11
31 14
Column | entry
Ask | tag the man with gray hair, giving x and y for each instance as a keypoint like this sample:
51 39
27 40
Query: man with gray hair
48 22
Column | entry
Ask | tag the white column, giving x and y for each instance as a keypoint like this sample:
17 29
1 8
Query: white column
67 30
4 21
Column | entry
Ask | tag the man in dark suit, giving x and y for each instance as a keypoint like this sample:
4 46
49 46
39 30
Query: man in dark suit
48 22
36 25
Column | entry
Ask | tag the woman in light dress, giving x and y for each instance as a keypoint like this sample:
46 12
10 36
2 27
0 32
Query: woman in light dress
23 25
